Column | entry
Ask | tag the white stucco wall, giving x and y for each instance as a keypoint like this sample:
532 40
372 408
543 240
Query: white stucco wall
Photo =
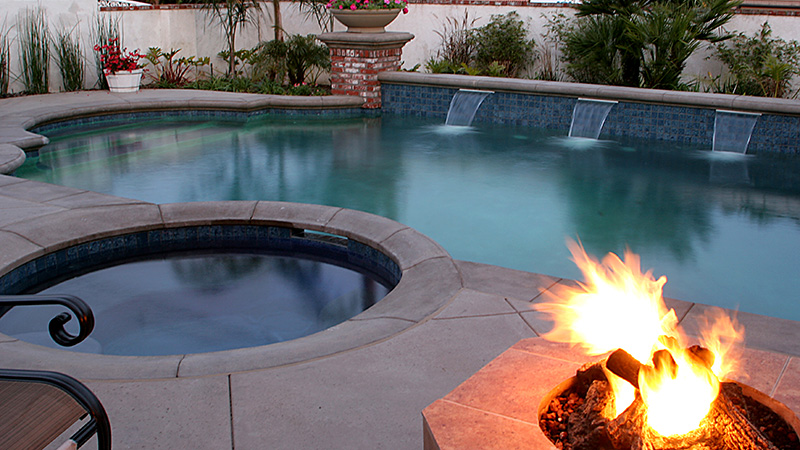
60 13
195 32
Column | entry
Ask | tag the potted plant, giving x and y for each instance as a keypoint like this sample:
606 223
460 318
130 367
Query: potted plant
366 16
120 67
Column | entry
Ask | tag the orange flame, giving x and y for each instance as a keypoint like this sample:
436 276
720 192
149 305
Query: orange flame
618 306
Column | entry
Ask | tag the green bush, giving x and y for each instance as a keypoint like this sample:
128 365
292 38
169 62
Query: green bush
504 41
303 55
760 65
168 71
499 48
268 60
69 59
34 42
638 42
250 85
106 28
458 45
4 60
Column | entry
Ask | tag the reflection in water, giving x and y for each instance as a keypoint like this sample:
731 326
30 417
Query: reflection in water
617 202
201 303
509 196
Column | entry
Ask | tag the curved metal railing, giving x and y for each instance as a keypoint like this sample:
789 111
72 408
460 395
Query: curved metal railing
56 327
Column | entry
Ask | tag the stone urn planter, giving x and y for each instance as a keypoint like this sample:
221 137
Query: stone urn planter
124 81
365 20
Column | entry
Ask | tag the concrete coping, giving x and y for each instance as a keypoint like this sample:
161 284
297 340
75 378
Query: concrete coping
619 93
11 157
430 279
366 41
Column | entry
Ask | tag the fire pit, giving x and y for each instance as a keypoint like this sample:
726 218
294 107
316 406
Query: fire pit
578 415
654 390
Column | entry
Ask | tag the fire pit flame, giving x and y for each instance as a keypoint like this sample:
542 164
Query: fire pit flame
619 307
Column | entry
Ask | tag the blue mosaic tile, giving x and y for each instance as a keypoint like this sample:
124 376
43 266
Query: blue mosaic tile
202 115
773 134
97 253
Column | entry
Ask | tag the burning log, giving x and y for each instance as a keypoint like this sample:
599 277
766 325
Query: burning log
588 426
726 427
625 366
729 424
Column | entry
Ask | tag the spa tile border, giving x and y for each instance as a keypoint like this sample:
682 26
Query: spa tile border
682 117
429 281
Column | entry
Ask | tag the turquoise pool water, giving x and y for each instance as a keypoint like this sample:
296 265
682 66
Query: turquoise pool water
725 230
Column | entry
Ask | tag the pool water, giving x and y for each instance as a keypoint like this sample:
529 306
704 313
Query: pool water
202 302
724 229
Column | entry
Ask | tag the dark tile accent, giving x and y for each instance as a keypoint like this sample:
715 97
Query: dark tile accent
104 252
773 134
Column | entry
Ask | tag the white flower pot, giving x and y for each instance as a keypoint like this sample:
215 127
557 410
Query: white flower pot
124 81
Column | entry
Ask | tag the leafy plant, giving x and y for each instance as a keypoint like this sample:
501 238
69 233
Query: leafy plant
504 40
761 65
169 71
547 51
264 86
105 29
240 57
591 50
268 60
499 48
304 54
458 46
69 59
639 42
34 41
232 15
4 60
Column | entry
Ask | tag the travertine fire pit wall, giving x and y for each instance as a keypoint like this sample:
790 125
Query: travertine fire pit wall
497 408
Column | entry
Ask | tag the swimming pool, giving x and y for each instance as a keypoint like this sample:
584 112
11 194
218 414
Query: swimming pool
723 229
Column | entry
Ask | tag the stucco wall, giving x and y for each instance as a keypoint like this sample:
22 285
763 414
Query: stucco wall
196 33
61 13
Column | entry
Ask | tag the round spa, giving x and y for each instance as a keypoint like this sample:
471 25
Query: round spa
224 286
203 288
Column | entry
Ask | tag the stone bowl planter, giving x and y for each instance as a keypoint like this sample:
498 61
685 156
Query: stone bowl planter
365 20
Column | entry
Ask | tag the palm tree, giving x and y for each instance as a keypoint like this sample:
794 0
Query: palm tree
232 15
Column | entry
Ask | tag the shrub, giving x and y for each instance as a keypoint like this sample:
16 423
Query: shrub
168 71
34 42
106 28
639 42
761 65
269 60
4 60
500 48
69 59
458 46
303 54
504 40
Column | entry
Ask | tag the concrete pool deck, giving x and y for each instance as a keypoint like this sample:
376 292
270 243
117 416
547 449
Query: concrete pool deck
369 394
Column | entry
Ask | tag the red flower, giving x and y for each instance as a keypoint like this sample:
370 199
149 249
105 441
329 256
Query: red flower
116 60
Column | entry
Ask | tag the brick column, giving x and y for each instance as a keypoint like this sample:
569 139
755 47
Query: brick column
357 58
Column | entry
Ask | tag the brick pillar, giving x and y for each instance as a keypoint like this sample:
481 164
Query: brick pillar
357 58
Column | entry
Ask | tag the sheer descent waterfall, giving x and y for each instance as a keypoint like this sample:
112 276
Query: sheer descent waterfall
588 117
732 131
464 105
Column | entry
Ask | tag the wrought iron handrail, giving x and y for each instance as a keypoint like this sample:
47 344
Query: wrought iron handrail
59 334
97 424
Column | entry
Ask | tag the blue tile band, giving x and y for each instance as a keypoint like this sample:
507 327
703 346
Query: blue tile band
94 255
